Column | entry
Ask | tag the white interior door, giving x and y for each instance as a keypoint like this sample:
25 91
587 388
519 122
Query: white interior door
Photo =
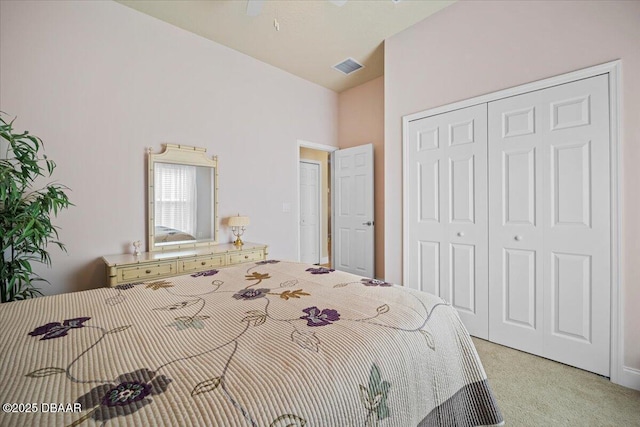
550 223
353 215
447 212
310 212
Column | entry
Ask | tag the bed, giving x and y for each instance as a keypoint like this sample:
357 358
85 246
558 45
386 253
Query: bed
271 343
167 234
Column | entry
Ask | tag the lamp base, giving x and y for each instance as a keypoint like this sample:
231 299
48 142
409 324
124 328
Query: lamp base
238 242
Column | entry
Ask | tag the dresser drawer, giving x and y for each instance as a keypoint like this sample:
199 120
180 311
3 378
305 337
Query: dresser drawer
246 256
200 263
147 266
144 272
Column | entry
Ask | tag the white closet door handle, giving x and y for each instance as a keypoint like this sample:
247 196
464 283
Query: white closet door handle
460 234
518 238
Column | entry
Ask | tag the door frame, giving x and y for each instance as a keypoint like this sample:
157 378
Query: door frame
619 373
319 205
315 146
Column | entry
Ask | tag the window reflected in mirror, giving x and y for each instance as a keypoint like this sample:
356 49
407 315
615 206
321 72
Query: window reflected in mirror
183 203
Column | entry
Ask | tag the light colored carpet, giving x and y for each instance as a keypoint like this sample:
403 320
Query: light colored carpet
533 391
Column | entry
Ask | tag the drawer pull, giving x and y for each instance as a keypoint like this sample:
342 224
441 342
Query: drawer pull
203 263
246 257
148 271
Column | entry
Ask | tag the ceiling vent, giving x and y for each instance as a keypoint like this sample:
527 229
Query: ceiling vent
348 66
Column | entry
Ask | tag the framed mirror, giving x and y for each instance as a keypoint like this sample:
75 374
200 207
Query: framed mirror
183 198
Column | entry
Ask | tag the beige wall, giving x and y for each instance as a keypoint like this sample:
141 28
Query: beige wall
323 158
361 121
100 82
472 48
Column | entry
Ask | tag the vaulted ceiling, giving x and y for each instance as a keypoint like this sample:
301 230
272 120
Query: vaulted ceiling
304 37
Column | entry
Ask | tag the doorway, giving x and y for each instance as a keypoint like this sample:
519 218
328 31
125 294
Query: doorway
310 211
314 204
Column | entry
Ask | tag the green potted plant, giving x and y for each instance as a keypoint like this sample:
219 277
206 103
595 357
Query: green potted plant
25 212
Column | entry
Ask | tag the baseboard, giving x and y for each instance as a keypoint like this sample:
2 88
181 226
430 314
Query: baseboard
630 378
324 260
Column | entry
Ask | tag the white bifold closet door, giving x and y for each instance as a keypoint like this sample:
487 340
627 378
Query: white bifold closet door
549 223
508 218
447 212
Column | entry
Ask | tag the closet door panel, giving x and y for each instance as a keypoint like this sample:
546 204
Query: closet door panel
428 267
577 224
426 208
519 277
519 181
447 216
515 229
549 270
428 190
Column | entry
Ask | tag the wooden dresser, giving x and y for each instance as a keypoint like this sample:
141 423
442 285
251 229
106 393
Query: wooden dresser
129 268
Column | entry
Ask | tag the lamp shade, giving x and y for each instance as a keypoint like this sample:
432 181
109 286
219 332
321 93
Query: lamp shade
238 221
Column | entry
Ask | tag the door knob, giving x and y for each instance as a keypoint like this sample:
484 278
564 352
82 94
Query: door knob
368 223
518 238
460 234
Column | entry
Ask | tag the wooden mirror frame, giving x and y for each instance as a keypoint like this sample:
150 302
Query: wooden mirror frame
182 155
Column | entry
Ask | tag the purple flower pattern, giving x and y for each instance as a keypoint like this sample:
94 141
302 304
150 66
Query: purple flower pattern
375 282
126 286
129 394
248 294
317 317
205 273
57 329
320 270
267 261
126 393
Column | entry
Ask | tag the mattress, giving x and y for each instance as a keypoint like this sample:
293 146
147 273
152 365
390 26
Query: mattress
271 343
167 234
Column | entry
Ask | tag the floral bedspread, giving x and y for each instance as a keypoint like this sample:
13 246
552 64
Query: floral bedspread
271 343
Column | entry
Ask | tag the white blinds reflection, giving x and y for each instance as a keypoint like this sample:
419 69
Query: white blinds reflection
175 201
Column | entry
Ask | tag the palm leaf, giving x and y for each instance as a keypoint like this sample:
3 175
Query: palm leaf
25 212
